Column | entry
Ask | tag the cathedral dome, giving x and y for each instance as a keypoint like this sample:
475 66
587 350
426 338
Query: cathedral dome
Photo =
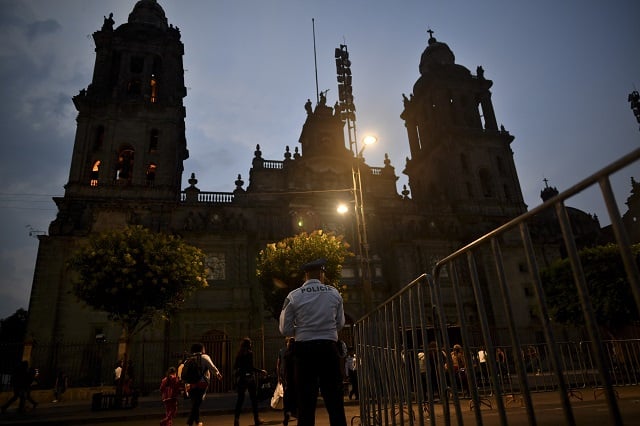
436 53
148 12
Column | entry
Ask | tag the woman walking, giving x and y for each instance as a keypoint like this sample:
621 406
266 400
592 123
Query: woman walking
246 380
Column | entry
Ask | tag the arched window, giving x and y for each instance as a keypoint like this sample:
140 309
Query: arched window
97 143
136 64
151 174
464 163
507 193
95 172
153 140
153 84
124 170
156 75
469 189
134 86
485 183
501 168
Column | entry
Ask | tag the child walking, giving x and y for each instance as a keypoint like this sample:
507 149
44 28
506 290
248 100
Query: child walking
170 391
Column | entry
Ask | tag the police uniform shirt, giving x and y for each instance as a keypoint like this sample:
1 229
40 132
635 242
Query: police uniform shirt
312 312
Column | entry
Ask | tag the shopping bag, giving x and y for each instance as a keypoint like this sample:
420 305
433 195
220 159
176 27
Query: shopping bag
276 399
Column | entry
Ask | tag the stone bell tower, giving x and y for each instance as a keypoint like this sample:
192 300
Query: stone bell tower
461 162
127 159
130 138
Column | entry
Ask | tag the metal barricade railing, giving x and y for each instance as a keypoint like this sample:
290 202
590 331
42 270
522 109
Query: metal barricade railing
411 373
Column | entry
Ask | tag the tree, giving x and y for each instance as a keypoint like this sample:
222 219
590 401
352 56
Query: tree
14 327
12 331
609 290
278 265
134 275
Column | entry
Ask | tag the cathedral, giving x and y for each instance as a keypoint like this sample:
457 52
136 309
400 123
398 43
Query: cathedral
127 168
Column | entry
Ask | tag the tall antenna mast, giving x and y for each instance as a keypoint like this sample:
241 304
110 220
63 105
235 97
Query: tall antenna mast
315 59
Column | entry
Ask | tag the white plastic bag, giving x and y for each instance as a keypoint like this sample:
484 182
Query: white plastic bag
278 395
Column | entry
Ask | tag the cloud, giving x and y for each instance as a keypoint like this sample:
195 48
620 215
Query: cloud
42 29
16 266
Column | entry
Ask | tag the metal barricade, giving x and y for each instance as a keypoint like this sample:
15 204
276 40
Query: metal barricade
411 372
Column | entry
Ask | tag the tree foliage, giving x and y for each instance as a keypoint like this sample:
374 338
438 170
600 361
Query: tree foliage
134 274
14 327
278 264
608 288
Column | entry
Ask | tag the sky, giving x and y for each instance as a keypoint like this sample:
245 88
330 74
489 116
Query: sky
562 71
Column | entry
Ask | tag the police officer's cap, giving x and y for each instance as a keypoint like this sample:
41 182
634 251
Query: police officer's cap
314 265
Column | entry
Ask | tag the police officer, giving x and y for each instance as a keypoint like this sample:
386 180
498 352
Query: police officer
313 314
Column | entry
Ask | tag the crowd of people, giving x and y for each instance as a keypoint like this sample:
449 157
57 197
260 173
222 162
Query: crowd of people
313 362
310 363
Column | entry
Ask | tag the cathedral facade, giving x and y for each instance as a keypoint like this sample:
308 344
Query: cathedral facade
127 168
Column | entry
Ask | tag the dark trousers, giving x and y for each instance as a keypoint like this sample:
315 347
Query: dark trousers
247 384
196 395
317 365
353 379
21 394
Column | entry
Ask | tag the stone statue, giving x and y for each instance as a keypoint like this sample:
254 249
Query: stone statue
108 23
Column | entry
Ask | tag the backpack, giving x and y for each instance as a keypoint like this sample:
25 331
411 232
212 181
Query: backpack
191 371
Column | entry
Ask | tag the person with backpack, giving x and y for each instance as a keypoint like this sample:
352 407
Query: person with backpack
197 372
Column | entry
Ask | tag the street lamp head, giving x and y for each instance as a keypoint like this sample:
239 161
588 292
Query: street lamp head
369 139
342 208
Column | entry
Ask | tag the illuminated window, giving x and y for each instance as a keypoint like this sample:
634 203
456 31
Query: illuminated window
124 171
95 173
151 174
154 89
156 72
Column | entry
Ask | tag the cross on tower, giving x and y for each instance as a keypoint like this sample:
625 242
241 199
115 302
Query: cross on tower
430 31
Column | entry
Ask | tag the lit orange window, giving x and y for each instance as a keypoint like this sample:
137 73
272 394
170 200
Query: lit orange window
151 173
154 89
95 173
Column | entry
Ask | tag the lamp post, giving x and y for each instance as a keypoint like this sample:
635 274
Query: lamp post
361 225
347 110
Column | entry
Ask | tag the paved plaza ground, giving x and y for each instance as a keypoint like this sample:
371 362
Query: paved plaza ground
217 409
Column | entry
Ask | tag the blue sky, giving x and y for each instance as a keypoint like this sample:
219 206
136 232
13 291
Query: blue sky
561 71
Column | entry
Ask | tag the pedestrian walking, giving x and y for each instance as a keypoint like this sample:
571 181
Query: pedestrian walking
60 387
21 379
351 367
245 374
170 389
460 369
285 372
313 314
484 366
201 363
